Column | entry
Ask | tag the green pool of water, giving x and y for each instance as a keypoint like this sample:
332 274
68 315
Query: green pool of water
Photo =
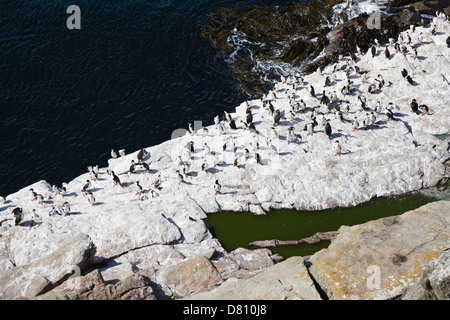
237 229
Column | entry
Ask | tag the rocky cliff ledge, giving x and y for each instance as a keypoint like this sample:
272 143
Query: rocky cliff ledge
144 238
400 257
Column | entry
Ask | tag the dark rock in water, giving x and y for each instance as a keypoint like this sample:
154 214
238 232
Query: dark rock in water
297 33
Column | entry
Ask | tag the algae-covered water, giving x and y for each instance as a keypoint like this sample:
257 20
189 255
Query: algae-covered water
237 229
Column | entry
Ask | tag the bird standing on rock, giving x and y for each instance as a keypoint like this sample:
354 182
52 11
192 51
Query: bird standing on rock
18 215
32 194
291 135
91 198
328 129
217 187
86 187
387 53
113 154
179 177
157 182
414 106
276 117
141 155
355 124
337 148
116 179
66 209
312 91
138 188
373 50
409 79
404 73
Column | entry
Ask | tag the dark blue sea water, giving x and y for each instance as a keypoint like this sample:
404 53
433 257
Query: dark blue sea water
136 71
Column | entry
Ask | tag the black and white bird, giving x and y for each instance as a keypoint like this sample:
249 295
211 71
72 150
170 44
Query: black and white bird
216 121
337 148
179 177
276 117
18 215
217 187
387 54
414 106
388 112
355 124
424 109
141 155
372 118
154 193
86 187
54 211
40 198
290 135
232 124
302 106
138 188
312 91
132 166
258 158
65 209
409 79
404 73
378 108
246 154
33 194
90 198
191 129
325 99
362 99
116 180
328 129
226 116
249 117
113 154
373 51
157 183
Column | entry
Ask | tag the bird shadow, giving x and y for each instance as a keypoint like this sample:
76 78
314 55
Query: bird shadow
96 189
71 194
75 213
212 170
29 223
147 157
229 192
4 208
126 184
335 135
192 174
376 126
